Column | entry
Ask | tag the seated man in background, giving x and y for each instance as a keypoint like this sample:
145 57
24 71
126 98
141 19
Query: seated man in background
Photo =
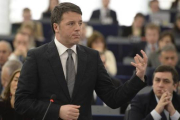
104 15
7 70
165 38
5 51
168 56
150 45
136 29
21 46
162 103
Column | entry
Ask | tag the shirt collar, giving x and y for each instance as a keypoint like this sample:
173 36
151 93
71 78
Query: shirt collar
62 49
150 45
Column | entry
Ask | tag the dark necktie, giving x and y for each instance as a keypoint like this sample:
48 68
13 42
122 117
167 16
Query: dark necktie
163 116
70 72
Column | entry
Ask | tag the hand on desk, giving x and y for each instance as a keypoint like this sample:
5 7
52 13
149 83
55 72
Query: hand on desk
140 64
69 112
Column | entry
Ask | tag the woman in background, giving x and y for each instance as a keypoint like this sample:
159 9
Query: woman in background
96 41
7 111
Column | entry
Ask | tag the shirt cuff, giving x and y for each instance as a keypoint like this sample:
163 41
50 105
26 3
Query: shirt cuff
155 115
176 116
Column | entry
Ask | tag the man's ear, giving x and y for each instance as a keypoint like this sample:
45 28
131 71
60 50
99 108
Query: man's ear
175 86
56 27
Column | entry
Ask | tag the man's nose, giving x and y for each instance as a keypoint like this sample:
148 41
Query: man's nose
161 84
78 27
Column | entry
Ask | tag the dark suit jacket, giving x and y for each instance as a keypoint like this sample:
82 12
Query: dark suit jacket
96 16
137 47
42 75
142 105
8 113
127 31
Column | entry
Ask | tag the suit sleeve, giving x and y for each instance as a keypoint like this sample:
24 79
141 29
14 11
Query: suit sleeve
137 111
26 101
112 96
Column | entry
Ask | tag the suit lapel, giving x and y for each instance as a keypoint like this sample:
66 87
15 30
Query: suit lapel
82 61
55 62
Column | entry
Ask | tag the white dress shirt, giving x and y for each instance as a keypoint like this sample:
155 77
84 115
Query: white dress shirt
157 116
64 55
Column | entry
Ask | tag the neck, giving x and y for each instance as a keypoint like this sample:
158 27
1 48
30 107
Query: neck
12 101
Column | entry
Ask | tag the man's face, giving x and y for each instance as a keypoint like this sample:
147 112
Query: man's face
21 40
165 41
152 36
5 77
163 81
154 6
169 58
4 53
68 31
105 3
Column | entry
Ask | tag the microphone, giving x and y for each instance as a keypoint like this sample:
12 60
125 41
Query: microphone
53 97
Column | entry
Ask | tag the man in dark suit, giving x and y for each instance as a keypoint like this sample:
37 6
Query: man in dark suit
104 15
71 72
162 103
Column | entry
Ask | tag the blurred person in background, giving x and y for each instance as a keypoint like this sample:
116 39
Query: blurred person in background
52 4
176 29
168 56
5 51
27 29
21 45
166 38
96 41
154 6
137 28
7 111
104 15
150 44
37 26
7 70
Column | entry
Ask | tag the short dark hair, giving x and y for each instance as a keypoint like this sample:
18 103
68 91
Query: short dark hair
172 70
167 33
59 10
139 15
26 10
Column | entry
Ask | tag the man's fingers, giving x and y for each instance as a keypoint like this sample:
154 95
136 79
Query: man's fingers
136 60
140 58
74 110
145 58
73 116
134 64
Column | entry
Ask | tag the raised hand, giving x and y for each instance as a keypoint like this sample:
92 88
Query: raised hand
140 64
